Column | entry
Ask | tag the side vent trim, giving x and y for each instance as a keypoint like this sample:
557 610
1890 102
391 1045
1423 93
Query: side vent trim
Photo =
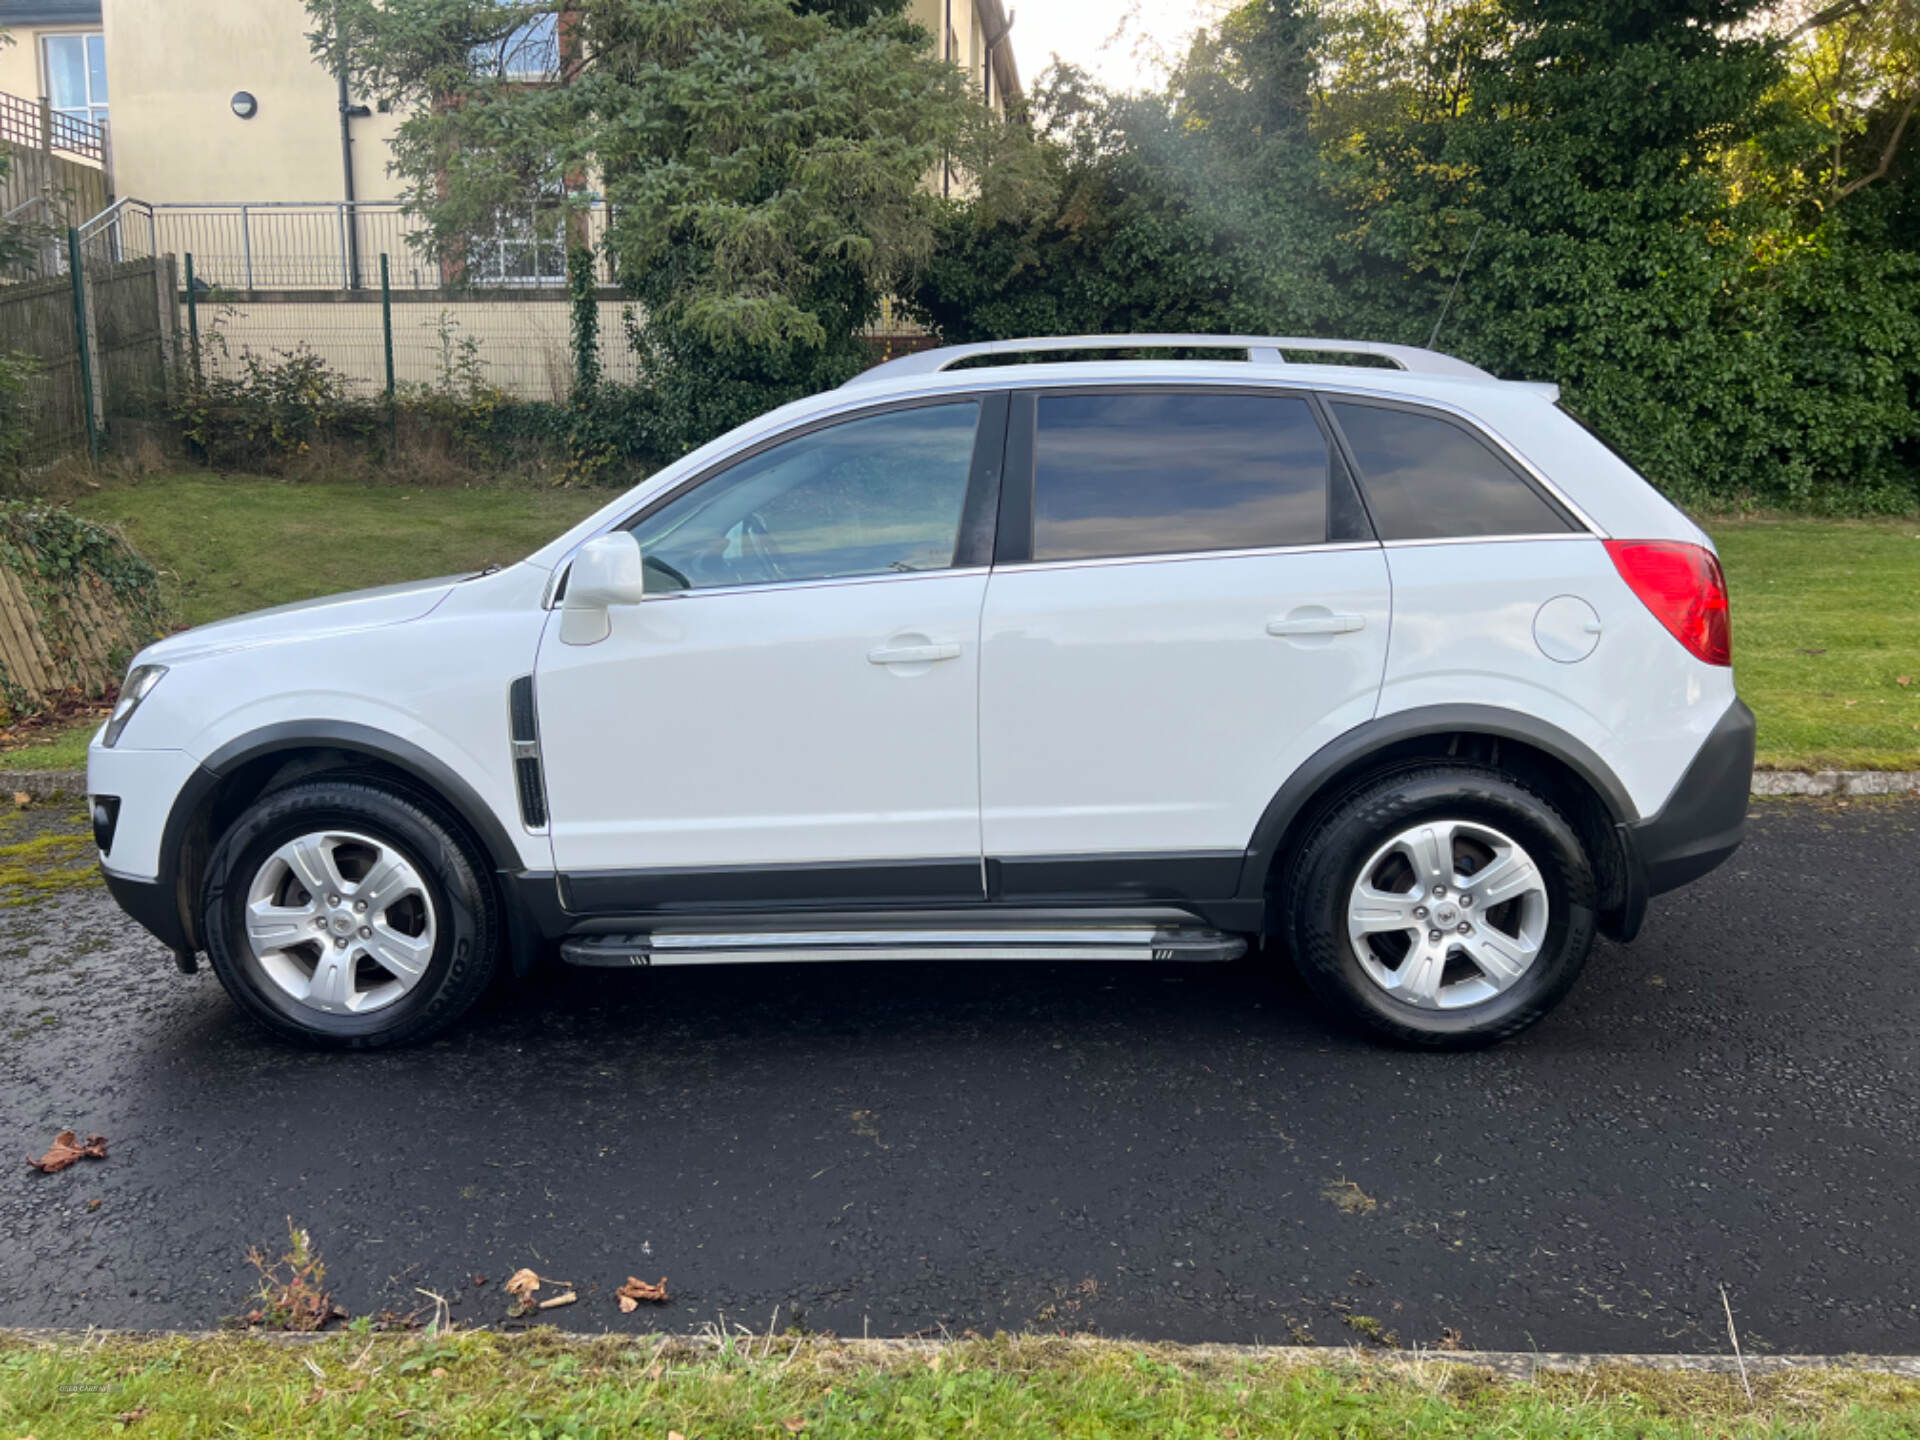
524 730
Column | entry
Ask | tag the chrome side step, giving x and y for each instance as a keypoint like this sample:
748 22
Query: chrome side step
1064 942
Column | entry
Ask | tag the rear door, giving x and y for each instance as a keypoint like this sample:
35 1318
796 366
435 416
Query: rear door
1186 602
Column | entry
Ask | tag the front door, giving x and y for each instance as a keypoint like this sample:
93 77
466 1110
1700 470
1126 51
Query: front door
1193 605
792 716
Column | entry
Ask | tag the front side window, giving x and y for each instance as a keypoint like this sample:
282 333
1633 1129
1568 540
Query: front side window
1428 478
879 495
77 76
1171 473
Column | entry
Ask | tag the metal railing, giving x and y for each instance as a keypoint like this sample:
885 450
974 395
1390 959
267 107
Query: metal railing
126 229
254 246
36 125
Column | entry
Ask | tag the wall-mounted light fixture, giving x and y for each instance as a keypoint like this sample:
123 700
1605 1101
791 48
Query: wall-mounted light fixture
244 105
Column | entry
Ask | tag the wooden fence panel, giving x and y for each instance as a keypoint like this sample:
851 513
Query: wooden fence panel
36 319
126 319
75 605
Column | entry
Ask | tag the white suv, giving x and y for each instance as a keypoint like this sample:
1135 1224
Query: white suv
1391 664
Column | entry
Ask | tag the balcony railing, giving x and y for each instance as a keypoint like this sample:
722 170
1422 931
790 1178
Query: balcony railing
36 125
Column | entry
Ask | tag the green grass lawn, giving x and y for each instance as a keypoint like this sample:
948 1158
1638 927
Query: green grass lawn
1826 623
225 544
55 748
541 1384
1826 613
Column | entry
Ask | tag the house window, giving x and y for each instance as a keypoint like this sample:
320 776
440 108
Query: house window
77 75
531 53
528 247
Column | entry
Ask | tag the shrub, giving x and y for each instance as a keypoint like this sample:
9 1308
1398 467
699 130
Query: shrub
271 410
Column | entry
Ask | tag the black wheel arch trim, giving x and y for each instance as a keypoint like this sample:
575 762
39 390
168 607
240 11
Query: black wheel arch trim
421 764
174 919
1307 783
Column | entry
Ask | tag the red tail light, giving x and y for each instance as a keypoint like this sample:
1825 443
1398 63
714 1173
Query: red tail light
1683 587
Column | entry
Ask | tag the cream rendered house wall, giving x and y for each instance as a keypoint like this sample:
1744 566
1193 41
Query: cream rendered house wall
172 70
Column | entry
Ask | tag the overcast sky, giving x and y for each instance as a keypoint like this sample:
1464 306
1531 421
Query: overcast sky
1084 31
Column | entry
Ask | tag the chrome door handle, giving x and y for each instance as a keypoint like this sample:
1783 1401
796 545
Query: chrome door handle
1317 625
912 654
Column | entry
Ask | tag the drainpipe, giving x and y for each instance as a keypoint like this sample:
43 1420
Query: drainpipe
995 39
346 167
946 48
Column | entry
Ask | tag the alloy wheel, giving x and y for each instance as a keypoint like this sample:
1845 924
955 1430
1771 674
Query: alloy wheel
1448 913
340 922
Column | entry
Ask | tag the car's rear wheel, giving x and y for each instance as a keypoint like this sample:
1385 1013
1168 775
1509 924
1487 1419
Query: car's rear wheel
1444 906
344 913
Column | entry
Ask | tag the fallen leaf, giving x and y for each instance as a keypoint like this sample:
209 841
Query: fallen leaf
479 1280
795 1424
22 799
675 1435
439 1372
522 1283
636 1290
1817 650
1903 679
66 1150
1350 1199
128 1417
565 1297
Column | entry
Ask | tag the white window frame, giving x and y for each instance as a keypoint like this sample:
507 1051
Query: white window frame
518 237
93 113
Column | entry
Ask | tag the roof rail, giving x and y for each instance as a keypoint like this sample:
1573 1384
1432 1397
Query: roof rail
1261 350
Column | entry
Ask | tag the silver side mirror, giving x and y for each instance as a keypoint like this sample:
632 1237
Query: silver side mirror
606 572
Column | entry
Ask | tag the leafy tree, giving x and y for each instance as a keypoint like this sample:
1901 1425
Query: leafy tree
1627 197
1853 76
765 161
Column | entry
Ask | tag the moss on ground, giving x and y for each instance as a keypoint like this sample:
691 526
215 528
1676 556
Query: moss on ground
45 852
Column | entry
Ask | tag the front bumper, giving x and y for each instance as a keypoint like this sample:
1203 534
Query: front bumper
1702 823
155 904
140 860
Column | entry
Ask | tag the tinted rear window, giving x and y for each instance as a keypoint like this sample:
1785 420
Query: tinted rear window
1427 478
1161 474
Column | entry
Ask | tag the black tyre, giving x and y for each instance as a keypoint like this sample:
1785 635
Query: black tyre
1445 906
350 914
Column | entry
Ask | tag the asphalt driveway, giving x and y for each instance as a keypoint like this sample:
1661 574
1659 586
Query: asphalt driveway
1179 1153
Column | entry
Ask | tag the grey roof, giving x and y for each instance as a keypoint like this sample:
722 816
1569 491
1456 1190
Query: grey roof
49 12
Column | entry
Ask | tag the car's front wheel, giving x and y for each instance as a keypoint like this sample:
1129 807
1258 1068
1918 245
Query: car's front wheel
1445 906
345 913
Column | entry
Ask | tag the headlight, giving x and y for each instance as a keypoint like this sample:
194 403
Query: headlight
140 680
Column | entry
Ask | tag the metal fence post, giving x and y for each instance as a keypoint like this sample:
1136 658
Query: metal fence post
246 247
83 342
386 328
193 321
